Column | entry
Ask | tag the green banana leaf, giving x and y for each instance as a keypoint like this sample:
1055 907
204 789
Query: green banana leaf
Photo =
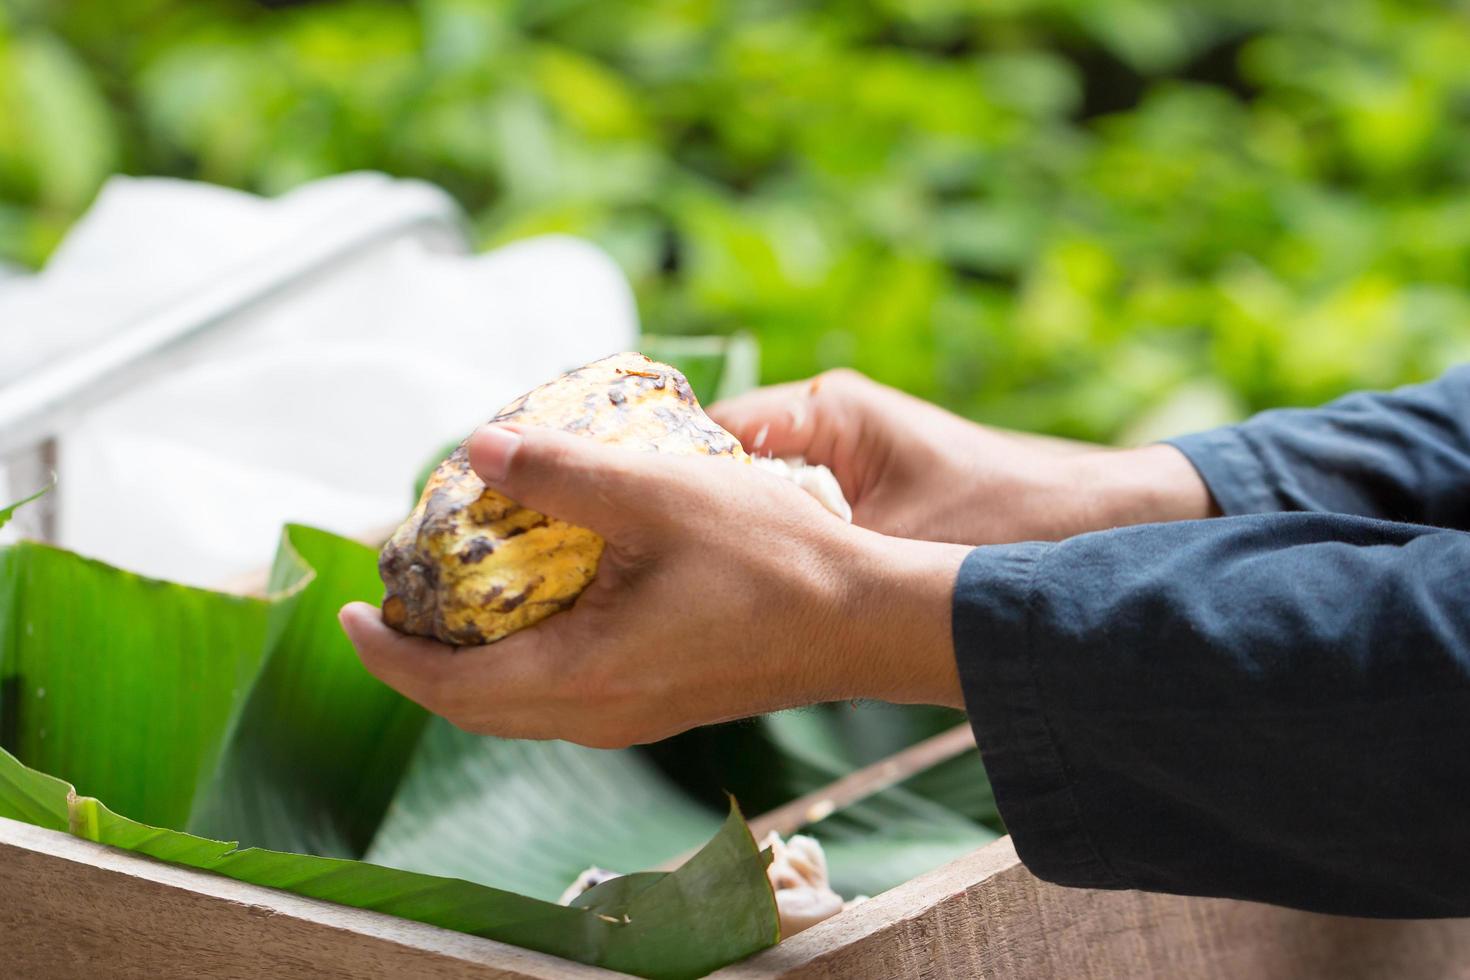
676 925
321 745
564 806
124 684
198 708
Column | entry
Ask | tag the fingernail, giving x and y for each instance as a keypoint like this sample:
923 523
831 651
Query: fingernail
349 616
760 437
491 451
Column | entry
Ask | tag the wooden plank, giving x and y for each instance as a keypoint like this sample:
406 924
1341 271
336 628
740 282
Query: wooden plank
72 908
985 915
788 818
819 804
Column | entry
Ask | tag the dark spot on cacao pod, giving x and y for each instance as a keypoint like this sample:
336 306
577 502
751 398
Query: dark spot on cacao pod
477 550
441 496
512 603
466 636
518 531
513 409
395 611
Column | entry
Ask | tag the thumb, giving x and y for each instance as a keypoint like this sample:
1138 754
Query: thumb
573 478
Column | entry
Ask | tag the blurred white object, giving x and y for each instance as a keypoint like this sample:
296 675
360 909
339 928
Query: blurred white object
798 873
814 478
318 405
586 881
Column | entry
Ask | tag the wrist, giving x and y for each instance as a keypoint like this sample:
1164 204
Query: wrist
1147 485
896 644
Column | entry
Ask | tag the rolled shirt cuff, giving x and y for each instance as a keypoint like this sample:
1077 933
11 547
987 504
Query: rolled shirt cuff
1231 470
996 642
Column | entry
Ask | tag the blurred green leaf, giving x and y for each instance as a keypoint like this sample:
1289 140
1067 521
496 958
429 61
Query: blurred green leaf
57 137
995 206
6 513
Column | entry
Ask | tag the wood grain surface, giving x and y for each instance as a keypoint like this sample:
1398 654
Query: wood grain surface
70 908
985 915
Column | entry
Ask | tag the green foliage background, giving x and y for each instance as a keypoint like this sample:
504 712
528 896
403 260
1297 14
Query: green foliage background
1102 218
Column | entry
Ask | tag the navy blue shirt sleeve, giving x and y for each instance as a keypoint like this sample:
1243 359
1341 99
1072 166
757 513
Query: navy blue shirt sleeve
1272 707
1400 456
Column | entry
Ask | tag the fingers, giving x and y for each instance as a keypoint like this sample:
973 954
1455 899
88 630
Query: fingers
792 419
752 416
472 686
819 419
413 666
525 686
576 479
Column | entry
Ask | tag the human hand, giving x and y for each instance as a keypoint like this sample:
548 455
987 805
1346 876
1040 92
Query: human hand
723 592
911 469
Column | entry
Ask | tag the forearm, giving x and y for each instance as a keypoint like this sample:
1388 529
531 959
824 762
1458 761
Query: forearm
1402 456
1076 492
1247 707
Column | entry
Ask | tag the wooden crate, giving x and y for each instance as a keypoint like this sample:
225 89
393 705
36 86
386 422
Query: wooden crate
72 908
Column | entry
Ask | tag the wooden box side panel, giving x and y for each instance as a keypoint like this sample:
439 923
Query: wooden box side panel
70 908
73 908
985 915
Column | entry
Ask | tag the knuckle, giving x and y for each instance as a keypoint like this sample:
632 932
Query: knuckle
471 726
618 467
557 462
601 734
841 378
598 688
587 681
440 695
